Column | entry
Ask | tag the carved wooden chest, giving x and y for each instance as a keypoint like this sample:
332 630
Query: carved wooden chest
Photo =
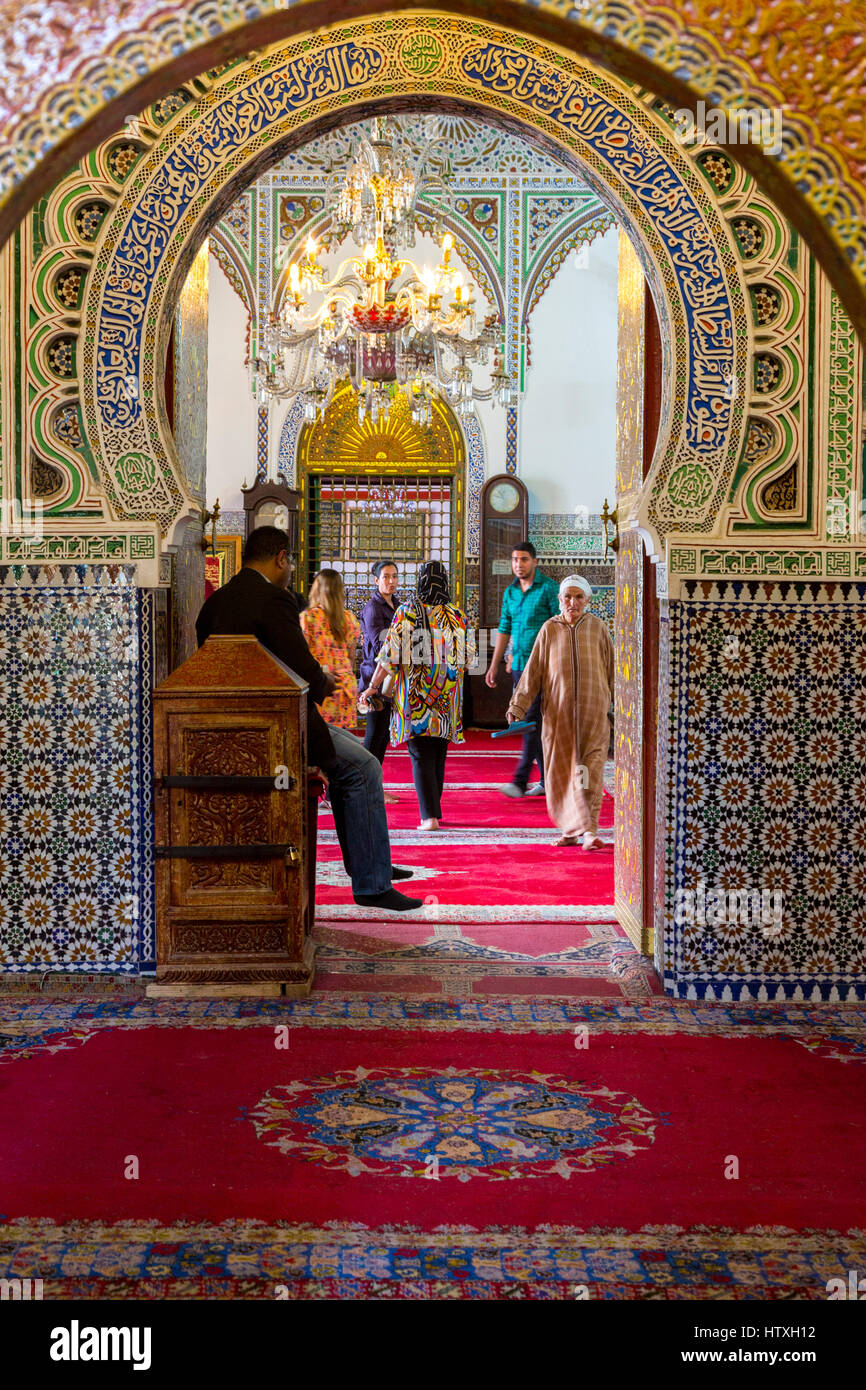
232 825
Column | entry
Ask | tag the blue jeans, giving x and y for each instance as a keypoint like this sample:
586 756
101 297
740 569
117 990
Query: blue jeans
356 796
532 751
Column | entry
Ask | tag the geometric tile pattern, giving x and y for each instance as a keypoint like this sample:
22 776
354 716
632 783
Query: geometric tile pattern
568 533
75 867
262 420
511 440
768 794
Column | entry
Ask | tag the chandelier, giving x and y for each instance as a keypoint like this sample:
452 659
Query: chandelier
380 320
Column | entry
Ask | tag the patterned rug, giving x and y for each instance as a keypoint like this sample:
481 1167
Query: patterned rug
505 913
362 1147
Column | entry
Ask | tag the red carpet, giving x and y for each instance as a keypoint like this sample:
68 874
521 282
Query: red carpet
505 913
484 1099
513 874
461 766
401 1148
354 1118
470 809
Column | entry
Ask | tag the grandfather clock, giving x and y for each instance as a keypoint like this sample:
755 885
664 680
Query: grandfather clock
504 524
272 504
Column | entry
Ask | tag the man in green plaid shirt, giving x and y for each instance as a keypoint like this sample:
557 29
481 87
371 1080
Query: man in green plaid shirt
530 599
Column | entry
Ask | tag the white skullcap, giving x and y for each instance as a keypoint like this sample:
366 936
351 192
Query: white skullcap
574 581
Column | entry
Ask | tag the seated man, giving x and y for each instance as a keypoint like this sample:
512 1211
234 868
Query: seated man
257 601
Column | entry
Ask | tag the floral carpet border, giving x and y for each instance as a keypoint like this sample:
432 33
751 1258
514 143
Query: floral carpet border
38 1013
251 1259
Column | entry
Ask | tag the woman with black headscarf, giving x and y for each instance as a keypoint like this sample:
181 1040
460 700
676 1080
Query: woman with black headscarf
428 648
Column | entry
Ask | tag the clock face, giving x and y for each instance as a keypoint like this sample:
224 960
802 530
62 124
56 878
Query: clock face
272 514
504 497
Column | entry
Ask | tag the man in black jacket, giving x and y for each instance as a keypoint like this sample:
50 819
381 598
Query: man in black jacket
258 601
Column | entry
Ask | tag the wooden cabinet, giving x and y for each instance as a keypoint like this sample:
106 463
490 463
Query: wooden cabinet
234 837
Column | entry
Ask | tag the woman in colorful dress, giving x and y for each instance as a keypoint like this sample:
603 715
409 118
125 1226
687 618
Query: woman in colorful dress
332 634
428 648
376 618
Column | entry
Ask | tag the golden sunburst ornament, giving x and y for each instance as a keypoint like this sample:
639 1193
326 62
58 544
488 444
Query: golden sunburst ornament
393 442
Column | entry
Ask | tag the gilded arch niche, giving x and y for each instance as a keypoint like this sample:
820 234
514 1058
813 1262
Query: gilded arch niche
246 116
343 450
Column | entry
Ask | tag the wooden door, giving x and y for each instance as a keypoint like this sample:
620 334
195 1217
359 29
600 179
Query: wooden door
637 614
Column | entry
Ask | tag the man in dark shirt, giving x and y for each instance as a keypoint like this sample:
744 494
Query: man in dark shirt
258 601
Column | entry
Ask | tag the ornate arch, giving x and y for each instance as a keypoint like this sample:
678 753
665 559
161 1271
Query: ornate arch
59 98
236 272
228 127
340 447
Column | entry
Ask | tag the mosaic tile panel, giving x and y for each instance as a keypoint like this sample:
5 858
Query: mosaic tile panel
231 523
263 416
288 452
511 440
843 434
563 534
76 867
476 469
767 791
661 800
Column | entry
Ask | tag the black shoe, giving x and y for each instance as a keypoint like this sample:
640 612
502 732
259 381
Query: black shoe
392 901
401 873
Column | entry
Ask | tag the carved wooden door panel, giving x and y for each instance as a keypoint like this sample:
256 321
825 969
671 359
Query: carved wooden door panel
238 746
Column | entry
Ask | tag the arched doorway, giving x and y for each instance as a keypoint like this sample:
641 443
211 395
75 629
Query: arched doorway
660 193
726 285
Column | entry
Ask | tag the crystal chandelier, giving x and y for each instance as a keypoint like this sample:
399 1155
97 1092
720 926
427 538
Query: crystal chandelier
380 320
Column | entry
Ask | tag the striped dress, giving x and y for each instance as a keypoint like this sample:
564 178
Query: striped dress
429 663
